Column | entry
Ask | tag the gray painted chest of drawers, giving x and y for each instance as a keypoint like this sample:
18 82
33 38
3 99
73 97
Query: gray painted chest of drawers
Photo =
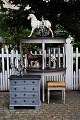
25 91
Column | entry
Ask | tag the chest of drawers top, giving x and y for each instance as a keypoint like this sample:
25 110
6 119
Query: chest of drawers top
25 77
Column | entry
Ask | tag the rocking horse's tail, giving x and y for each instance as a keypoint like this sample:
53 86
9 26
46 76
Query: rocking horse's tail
51 32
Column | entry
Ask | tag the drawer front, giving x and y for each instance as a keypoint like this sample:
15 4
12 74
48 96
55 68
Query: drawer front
24 95
24 102
27 88
23 82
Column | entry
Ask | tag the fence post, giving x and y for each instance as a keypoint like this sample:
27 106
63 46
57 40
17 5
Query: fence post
69 64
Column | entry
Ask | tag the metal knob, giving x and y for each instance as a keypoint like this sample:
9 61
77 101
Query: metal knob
14 88
33 101
15 82
15 101
33 95
15 95
33 89
33 82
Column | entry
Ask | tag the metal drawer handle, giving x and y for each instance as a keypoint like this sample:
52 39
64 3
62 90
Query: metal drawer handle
33 89
24 81
33 82
15 82
15 95
14 88
15 101
33 95
33 101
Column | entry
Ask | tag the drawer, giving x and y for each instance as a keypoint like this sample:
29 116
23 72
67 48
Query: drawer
26 88
23 82
24 102
24 95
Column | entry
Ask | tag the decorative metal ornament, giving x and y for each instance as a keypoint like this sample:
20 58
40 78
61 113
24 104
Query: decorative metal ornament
43 31
19 69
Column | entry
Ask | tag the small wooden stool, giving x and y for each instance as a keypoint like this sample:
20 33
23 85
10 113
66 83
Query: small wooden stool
56 85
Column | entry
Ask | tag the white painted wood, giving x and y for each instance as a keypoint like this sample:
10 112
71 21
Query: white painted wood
6 82
1 84
43 58
40 40
8 65
3 70
79 79
59 60
74 81
54 63
64 51
49 54
17 62
69 64
72 77
77 68
12 61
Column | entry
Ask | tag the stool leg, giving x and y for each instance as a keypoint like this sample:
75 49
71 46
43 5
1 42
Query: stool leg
64 96
48 95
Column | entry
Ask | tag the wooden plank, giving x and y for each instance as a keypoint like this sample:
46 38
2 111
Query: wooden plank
41 40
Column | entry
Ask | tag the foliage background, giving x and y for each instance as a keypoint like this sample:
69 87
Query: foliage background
64 16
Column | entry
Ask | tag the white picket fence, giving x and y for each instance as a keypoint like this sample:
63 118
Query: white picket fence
72 77
6 71
76 73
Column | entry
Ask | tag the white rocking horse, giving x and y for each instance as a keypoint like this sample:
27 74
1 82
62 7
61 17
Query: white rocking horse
36 24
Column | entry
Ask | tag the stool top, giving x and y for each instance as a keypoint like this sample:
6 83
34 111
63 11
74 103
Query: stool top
56 84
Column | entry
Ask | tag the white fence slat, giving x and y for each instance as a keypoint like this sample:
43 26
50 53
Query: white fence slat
44 58
7 59
12 56
59 60
8 62
17 58
77 68
1 84
79 79
72 68
49 54
6 82
3 70
74 81
54 60
73 77
63 57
